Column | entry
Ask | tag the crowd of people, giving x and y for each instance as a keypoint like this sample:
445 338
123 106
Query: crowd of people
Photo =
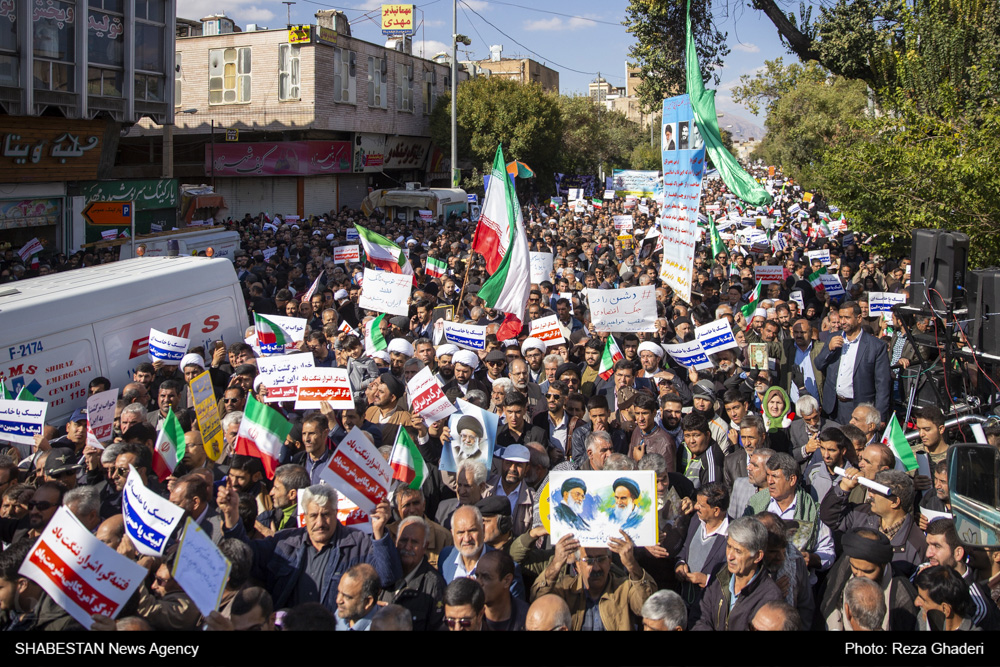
763 522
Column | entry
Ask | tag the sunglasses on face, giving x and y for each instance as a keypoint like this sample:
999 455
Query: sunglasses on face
40 505
461 622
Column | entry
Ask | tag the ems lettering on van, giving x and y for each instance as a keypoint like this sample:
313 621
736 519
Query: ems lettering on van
61 331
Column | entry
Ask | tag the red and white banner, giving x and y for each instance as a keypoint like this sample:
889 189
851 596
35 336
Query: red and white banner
548 330
80 573
426 397
770 274
32 247
316 385
346 253
281 375
357 470
101 415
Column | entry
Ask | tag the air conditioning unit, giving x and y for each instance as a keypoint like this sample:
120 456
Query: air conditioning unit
413 185
385 67
354 63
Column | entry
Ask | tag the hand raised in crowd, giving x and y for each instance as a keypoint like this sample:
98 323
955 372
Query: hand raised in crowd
218 356
565 554
625 548
380 518
228 501
850 479
417 422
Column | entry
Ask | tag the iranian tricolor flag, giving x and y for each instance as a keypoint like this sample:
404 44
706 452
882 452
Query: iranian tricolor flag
814 279
500 238
597 202
612 355
262 433
406 461
436 268
169 448
4 394
347 328
895 439
383 253
374 340
271 337
748 309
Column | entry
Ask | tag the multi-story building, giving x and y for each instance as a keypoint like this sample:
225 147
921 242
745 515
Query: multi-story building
522 70
624 100
294 121
71 77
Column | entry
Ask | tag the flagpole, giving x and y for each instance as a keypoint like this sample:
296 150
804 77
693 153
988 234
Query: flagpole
468 267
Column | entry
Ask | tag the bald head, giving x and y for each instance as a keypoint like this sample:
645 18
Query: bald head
549 612
111 531
777 616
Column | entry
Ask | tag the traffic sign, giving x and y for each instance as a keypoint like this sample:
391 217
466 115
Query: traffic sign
114 213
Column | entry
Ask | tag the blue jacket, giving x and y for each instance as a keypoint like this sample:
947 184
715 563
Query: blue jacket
872 379
279 560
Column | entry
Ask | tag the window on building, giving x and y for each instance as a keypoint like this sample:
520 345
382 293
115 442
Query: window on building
377 69
55 47
178 78
9 61
428 90
105 51
150 61
229 75
404 87
345 80
288 72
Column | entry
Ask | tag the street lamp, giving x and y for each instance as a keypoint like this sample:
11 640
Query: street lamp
455 39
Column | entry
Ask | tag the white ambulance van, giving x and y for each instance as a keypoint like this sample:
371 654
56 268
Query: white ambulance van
60 331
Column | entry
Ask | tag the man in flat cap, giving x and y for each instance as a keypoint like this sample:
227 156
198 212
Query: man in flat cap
574 491
624 512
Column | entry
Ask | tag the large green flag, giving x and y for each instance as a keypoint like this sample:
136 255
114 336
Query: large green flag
717 244
736 179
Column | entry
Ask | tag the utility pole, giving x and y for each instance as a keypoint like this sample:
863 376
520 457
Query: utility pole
288 12
454 93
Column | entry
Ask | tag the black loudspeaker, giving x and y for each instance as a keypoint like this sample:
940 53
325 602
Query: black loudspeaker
983 301
940 258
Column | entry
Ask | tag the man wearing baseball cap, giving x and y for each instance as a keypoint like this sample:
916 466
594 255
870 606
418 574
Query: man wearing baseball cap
509 484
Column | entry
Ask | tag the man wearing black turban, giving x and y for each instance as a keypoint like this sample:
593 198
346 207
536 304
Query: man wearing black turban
574 491
624 512
867 553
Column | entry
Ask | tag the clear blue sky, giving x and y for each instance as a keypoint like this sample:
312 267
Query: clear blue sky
583 35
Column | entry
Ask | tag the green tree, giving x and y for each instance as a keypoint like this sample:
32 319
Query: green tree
494 110
808 111
759 91
659 30
595 137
